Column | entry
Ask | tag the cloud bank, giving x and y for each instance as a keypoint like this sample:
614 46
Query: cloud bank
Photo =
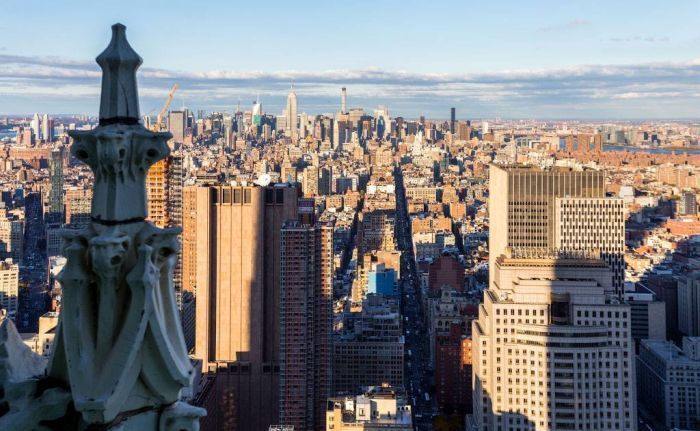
652 90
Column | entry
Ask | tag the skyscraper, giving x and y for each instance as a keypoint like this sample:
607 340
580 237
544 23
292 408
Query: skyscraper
689 304
593 224
231 262
157 192
344 101
687 204
555 209
164 183
452 120
177 122
47 128
11 236
306 323
325 180
552 348
291 128
55 214
36 127
257 113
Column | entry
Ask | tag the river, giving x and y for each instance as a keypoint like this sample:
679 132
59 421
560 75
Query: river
651 150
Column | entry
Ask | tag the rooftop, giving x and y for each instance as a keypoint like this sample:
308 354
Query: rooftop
383 405
669 352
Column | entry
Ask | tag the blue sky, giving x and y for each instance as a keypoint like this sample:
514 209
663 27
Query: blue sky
517 59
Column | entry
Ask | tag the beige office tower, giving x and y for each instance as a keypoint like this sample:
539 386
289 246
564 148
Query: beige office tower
231 262
552 348
556 208
593 224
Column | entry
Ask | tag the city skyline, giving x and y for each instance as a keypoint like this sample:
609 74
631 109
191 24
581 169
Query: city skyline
512 61
291 267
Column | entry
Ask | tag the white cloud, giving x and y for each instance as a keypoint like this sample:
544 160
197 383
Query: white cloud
27 80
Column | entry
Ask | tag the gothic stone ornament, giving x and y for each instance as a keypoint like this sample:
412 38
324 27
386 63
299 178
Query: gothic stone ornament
119 343
27 400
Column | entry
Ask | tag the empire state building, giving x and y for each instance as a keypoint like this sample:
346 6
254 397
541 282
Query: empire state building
291 115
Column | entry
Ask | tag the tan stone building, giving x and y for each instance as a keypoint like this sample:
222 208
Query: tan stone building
522 211
593 224
552 348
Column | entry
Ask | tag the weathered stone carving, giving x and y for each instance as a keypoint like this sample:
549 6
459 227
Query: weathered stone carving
119 350
26 399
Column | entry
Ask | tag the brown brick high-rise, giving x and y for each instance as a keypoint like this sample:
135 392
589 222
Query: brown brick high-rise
231 264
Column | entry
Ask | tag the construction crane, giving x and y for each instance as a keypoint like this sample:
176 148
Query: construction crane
157 126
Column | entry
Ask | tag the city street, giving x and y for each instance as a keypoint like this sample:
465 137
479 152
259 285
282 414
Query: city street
418 380
33 268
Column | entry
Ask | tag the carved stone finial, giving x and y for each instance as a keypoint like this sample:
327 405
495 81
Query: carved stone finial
120 101
120 150
119 344
119 354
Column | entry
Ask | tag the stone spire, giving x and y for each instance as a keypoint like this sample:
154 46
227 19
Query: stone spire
120 150
120 100
119 354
